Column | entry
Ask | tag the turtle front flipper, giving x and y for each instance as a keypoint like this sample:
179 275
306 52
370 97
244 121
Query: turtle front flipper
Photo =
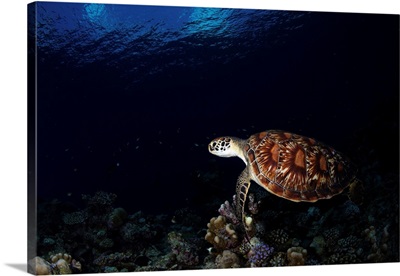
242 188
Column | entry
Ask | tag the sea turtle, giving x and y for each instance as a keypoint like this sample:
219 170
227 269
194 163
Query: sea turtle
288 165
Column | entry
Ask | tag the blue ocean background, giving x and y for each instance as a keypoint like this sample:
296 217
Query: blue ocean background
128 96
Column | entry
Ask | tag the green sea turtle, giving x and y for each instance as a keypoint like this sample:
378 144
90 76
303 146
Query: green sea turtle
288 165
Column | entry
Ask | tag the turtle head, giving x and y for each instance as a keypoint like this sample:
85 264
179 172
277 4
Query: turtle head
223 146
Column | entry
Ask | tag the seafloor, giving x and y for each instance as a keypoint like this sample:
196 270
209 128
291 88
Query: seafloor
102 237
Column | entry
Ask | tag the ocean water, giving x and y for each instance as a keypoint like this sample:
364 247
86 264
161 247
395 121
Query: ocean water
128 97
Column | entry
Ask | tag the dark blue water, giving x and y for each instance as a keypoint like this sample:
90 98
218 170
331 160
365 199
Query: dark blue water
129 96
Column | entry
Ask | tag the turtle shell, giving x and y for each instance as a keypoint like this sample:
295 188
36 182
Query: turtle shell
297 168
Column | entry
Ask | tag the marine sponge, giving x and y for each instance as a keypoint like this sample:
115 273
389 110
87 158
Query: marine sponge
296 256
221 234
227 259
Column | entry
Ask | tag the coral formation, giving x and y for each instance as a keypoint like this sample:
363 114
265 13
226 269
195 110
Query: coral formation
278 236
109 239
296 256
227 259
39 266
116 218
279 259
60 264
227 211
318 243
253 205
221 234
259 253
75 217
184 251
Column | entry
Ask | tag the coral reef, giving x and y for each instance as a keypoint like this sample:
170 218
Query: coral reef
275 233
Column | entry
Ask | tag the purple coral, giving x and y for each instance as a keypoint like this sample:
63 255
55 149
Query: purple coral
228 212
259 254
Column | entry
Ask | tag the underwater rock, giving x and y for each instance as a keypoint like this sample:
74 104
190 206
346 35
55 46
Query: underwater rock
338 258
75 217
110 269
39 266
106 243
227 259
117 260
185 252
318 244
100 203
378 245
331 236
116 218
296 256
136 233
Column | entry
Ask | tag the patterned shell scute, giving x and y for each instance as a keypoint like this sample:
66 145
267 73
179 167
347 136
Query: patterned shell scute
296 167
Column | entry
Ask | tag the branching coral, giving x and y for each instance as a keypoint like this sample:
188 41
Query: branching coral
253 205
227 211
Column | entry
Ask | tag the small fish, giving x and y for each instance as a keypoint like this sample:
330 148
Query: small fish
137 147
196 145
